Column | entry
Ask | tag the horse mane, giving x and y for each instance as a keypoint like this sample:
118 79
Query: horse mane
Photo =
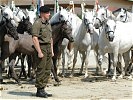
78 19
55 18
130 16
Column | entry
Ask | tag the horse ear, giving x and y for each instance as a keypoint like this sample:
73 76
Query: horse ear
106 7
61 8
28 18
1 7
123 10
27 10
35 10
23 18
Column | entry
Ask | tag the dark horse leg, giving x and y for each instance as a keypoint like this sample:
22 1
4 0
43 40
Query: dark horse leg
129 67
5 54
23 67
1 70
1 78
29 60
54 70
109 63
31 65
12 72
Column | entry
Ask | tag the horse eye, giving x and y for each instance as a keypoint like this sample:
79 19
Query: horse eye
5 14
61 15
121 16
114 27
102 14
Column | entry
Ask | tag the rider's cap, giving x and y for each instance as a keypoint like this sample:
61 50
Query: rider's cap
44 9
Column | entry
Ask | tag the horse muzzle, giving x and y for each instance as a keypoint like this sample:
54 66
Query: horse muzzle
96 26
111 39
16 37
71 39
110 36
91 31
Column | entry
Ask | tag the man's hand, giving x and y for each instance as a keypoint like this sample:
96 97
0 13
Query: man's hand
52 54
40 55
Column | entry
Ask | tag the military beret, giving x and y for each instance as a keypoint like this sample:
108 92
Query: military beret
44 9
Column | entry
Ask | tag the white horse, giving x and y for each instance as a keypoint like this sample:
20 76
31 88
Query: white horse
115 39
75 22
85 40
124 16
7 13
32 15
19 13
101 15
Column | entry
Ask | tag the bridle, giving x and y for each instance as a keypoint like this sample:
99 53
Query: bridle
87 24
125 16
102 22
107 32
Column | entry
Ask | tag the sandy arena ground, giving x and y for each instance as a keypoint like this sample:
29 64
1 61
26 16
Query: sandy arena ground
93 87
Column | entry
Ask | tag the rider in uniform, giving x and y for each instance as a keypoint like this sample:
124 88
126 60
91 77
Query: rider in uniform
43 43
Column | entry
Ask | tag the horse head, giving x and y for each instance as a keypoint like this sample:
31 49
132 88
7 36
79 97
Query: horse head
123 15
24 25
66 31
11 30
32 15
102 14
8 14
88 21
61 16
27 24
64 15
19 13
110 27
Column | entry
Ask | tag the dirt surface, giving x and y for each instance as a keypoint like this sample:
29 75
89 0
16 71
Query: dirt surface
72 88
93 87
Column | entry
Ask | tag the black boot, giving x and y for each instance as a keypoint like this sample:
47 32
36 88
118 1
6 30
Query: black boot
48 94
41 93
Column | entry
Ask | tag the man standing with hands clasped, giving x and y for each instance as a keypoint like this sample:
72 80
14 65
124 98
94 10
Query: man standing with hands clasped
43 43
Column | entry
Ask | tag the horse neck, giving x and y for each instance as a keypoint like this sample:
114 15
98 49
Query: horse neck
56 33
55 18
83 26
3 31
130 16
76 23
0 16
20 30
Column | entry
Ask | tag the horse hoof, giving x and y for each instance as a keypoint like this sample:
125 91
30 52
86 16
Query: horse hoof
1 81
120 77
57 80
113 79
71 76
130 78
69 68
57 83
19 83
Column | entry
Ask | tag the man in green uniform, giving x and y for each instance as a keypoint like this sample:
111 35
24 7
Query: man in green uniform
43 43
